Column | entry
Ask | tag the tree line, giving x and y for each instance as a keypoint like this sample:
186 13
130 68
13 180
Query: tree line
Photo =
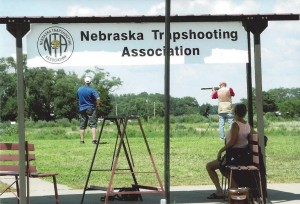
51 94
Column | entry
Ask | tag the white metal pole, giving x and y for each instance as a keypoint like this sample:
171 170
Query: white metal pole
21 122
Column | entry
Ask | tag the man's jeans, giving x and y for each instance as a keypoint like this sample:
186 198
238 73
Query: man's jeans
222 118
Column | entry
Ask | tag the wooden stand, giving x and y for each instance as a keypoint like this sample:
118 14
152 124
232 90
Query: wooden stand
122 142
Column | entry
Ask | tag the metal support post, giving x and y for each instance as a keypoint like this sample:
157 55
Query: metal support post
167 100
18 30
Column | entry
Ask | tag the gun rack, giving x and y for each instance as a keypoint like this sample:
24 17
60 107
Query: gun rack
122 143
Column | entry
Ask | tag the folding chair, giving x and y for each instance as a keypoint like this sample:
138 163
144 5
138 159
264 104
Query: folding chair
254 168
32 171
9 165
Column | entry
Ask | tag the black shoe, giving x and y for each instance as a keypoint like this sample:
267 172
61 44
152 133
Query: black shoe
81 142
94 142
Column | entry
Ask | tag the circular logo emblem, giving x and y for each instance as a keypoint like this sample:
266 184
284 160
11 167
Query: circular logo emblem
55 45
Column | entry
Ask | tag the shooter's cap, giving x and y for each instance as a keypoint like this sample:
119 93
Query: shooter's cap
88 80
222 83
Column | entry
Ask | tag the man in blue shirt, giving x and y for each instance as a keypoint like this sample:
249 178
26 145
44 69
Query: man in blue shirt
88 100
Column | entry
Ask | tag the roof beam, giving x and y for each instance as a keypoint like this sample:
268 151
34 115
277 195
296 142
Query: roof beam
144 19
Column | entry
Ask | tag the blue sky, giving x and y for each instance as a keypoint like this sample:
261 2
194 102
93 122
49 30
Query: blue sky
280 43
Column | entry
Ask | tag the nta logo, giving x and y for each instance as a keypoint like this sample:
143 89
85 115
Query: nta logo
55 45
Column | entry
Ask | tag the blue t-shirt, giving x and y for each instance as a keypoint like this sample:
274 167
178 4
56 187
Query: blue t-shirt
87 97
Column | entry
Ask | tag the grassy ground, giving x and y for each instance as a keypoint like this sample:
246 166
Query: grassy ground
191 147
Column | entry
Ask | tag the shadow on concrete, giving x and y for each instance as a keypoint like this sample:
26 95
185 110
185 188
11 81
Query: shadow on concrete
197 196
194 196
277 196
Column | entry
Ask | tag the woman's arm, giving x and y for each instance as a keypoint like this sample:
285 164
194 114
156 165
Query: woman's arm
233 139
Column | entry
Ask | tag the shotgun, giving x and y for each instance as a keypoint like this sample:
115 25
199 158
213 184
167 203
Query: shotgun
206 88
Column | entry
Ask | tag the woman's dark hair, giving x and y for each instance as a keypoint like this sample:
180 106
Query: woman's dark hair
240 110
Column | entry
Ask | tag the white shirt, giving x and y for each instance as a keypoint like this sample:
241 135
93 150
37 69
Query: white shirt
244 130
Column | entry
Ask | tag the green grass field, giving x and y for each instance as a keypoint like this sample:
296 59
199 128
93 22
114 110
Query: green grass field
192 145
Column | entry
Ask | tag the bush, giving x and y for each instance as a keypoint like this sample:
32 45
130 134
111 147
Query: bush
29 123
63 122
193 118
214 118
41 124
179 127
4 125
74 122
74 128
49 133
273 117
10 130
156 120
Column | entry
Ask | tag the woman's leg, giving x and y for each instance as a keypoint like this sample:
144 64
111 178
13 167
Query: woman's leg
211 168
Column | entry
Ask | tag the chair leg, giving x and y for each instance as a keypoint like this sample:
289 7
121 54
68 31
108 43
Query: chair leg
223 187
28 190
17 187
55 190
261 189
230 179
224 184
259 186
9 188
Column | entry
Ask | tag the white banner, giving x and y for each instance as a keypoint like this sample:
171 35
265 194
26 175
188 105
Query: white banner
101 44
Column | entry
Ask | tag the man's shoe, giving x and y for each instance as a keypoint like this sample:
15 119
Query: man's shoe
81 142
94 142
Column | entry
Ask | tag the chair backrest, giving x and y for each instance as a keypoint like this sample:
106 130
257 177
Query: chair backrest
30 157
254 147
9 157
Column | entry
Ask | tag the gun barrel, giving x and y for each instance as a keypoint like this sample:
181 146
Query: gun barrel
209 88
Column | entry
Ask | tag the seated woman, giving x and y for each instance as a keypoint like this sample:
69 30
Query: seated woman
236 148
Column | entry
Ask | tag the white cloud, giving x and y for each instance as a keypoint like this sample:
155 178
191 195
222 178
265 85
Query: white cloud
158 9
104 10
185 72
227 56
200 7
291 6
80 11
230 7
